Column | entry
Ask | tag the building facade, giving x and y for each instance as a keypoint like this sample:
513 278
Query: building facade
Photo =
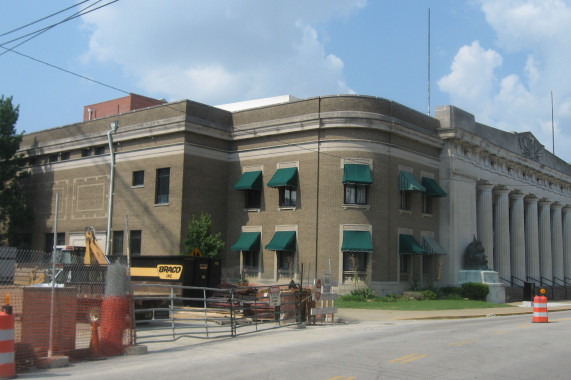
375 193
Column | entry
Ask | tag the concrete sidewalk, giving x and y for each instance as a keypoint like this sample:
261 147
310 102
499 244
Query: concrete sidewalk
353 315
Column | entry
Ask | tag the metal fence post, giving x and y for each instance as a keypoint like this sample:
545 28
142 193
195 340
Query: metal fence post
232 315
171 313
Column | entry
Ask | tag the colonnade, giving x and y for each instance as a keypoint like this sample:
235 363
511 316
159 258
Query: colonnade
525 238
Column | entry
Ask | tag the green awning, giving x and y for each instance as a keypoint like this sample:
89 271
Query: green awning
248 241
357 241
284 177
409 246
249 181
432 187
409 183
283 241
432 247
357 174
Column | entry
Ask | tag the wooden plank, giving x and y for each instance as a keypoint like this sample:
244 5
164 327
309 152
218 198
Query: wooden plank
323 310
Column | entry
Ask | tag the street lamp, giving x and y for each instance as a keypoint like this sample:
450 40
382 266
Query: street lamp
114 125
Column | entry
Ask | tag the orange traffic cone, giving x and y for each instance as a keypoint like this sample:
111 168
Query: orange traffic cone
95 350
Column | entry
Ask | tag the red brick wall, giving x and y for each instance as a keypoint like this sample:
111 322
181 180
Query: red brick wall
117 106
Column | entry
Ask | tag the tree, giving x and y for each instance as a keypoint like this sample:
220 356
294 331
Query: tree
198 235
14 213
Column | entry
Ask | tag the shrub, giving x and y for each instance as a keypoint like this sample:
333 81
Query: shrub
366 293
353 298
475 291
451 292
429 294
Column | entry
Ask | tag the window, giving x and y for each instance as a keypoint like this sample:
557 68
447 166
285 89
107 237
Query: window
404 263
65 156
405 200
138 178
285 179
135 244
117 243
53 157
356 194
253 198
354 261
86 152
100 150
285 260
162 188
356 179
251 184
426 204
250 259
50 240
288 196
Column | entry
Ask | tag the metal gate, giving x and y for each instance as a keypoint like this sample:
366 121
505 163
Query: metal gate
170 312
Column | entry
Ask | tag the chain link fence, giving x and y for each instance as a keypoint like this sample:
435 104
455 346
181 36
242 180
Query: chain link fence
64 307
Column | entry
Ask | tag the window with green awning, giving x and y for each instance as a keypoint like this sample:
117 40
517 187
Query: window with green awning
357 241
433 188
409 246
249 181
407 182
357 174
283 241
432 247
248 241
284 177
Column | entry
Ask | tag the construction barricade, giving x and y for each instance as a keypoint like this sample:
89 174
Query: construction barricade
7 357
540 308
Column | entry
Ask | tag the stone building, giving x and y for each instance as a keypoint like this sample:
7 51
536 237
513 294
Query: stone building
375 192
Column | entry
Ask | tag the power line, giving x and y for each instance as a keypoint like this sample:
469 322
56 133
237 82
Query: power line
42 19
43 30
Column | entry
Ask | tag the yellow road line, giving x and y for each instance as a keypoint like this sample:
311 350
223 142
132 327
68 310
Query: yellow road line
408 358
462 343
342 377
403 358
415 358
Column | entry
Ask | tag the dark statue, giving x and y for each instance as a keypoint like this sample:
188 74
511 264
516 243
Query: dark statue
474 256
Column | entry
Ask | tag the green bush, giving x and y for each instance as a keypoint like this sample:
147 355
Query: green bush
475 291
451 292
366 293
353 298
389 298
429 294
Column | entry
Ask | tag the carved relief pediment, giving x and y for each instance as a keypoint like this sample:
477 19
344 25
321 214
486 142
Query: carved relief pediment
529 146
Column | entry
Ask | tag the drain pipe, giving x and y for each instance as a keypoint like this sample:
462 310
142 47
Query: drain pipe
114 126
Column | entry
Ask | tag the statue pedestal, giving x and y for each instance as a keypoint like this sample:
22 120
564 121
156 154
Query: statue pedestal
492 279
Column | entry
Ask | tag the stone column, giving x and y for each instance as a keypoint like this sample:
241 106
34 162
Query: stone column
531 239
517 237
502 234
567 241
485 221
545 259
557 241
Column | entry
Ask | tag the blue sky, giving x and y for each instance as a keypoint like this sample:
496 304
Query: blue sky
499 60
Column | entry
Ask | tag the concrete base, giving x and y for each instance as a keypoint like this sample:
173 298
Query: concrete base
492 279
53 362
136 350
497 293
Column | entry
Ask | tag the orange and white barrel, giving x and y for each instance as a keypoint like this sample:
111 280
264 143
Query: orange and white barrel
540 309
7 363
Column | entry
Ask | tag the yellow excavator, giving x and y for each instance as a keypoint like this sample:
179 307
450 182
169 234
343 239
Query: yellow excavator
93 252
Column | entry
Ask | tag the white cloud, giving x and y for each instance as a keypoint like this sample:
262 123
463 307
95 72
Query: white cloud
223 51
486 81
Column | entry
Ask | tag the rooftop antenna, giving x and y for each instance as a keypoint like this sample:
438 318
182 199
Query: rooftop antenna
552 126
428 61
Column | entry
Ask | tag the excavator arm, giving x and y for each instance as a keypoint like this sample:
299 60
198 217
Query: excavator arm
93 252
